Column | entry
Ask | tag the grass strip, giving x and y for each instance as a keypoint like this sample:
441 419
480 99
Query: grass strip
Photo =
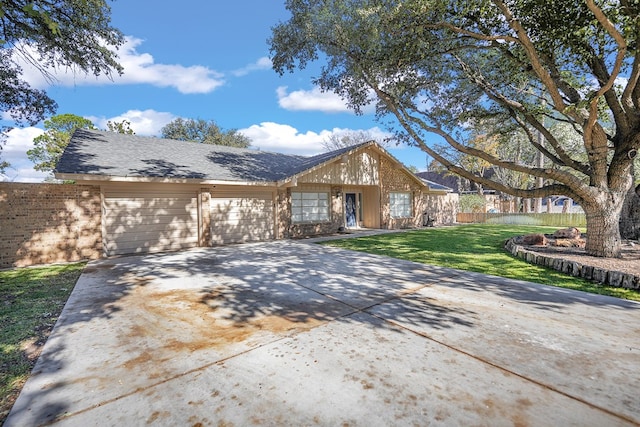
31 300
474 247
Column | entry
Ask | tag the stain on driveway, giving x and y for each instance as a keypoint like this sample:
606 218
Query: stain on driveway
295 333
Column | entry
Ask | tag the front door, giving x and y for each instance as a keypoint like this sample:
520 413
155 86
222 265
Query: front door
350 210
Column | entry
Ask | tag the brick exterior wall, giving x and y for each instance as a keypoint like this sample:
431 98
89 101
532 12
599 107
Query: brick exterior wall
48 223
442 208
395 179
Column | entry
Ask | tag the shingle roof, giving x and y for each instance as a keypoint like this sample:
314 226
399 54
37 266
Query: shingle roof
112 154
432 185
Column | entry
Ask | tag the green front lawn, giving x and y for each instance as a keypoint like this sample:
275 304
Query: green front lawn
31 301
474 247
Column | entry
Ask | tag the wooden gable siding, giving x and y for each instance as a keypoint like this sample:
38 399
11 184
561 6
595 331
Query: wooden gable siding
361 168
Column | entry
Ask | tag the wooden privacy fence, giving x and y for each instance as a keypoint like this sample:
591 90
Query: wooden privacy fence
548 219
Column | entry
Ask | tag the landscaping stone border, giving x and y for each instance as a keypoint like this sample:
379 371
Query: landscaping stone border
574 268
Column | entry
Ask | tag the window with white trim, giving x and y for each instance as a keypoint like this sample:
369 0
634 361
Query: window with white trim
400 205
309 207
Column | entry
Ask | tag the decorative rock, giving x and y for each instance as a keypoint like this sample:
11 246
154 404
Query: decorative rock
570 243
536 239
557 264
630 281
587 272
574 268
599 275
515 249
615 278
567 233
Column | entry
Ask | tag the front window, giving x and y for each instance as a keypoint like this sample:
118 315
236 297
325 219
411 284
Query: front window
400 205
309 207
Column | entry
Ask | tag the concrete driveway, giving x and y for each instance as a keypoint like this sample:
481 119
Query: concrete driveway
293 333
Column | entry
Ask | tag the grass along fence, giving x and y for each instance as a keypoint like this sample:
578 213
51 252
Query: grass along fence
544 219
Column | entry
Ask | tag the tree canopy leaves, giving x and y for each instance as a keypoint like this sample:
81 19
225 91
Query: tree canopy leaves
204 132
49 146
72 34
59 129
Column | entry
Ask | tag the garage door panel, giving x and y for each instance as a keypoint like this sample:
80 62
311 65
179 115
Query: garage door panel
153 232
142 247
150 204
152 221
242 219
239 216
164 215
155 203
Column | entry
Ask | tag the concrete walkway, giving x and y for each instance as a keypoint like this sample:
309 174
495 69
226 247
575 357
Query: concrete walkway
293 333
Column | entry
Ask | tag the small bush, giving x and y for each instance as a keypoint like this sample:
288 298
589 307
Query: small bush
472 203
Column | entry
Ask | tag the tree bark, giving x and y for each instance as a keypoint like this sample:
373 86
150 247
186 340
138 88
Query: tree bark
630 216
603 230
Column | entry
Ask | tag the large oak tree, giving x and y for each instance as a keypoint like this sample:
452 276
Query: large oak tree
439 66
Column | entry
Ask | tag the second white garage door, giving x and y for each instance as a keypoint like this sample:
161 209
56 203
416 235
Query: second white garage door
248 217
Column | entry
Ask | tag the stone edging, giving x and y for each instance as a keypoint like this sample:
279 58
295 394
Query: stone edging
574 268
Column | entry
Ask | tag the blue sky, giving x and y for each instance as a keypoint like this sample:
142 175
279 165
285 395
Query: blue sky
201 60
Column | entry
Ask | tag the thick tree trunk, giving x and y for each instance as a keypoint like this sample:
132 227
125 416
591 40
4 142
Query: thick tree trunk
630 216
603 229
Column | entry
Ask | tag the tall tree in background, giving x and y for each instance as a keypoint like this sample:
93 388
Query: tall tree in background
65 34
48 147
204 132
346 139
123 127
437 65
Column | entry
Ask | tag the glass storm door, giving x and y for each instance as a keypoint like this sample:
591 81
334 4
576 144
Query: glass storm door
350 209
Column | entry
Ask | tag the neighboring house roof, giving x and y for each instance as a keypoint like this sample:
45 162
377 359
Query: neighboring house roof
453 182
105 155
441 179
433 185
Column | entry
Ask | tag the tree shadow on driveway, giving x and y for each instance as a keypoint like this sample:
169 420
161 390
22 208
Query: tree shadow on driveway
135 322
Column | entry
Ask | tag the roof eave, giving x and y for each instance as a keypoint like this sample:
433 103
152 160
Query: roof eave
165 180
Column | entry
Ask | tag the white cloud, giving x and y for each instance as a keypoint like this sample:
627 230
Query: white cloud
315 100
139 68
144 123
284 138
19 140
263 63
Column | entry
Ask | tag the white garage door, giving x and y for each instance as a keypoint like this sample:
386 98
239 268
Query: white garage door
149 221
241 218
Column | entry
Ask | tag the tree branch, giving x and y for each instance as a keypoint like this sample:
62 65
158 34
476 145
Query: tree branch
619 61
511 105
536 62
